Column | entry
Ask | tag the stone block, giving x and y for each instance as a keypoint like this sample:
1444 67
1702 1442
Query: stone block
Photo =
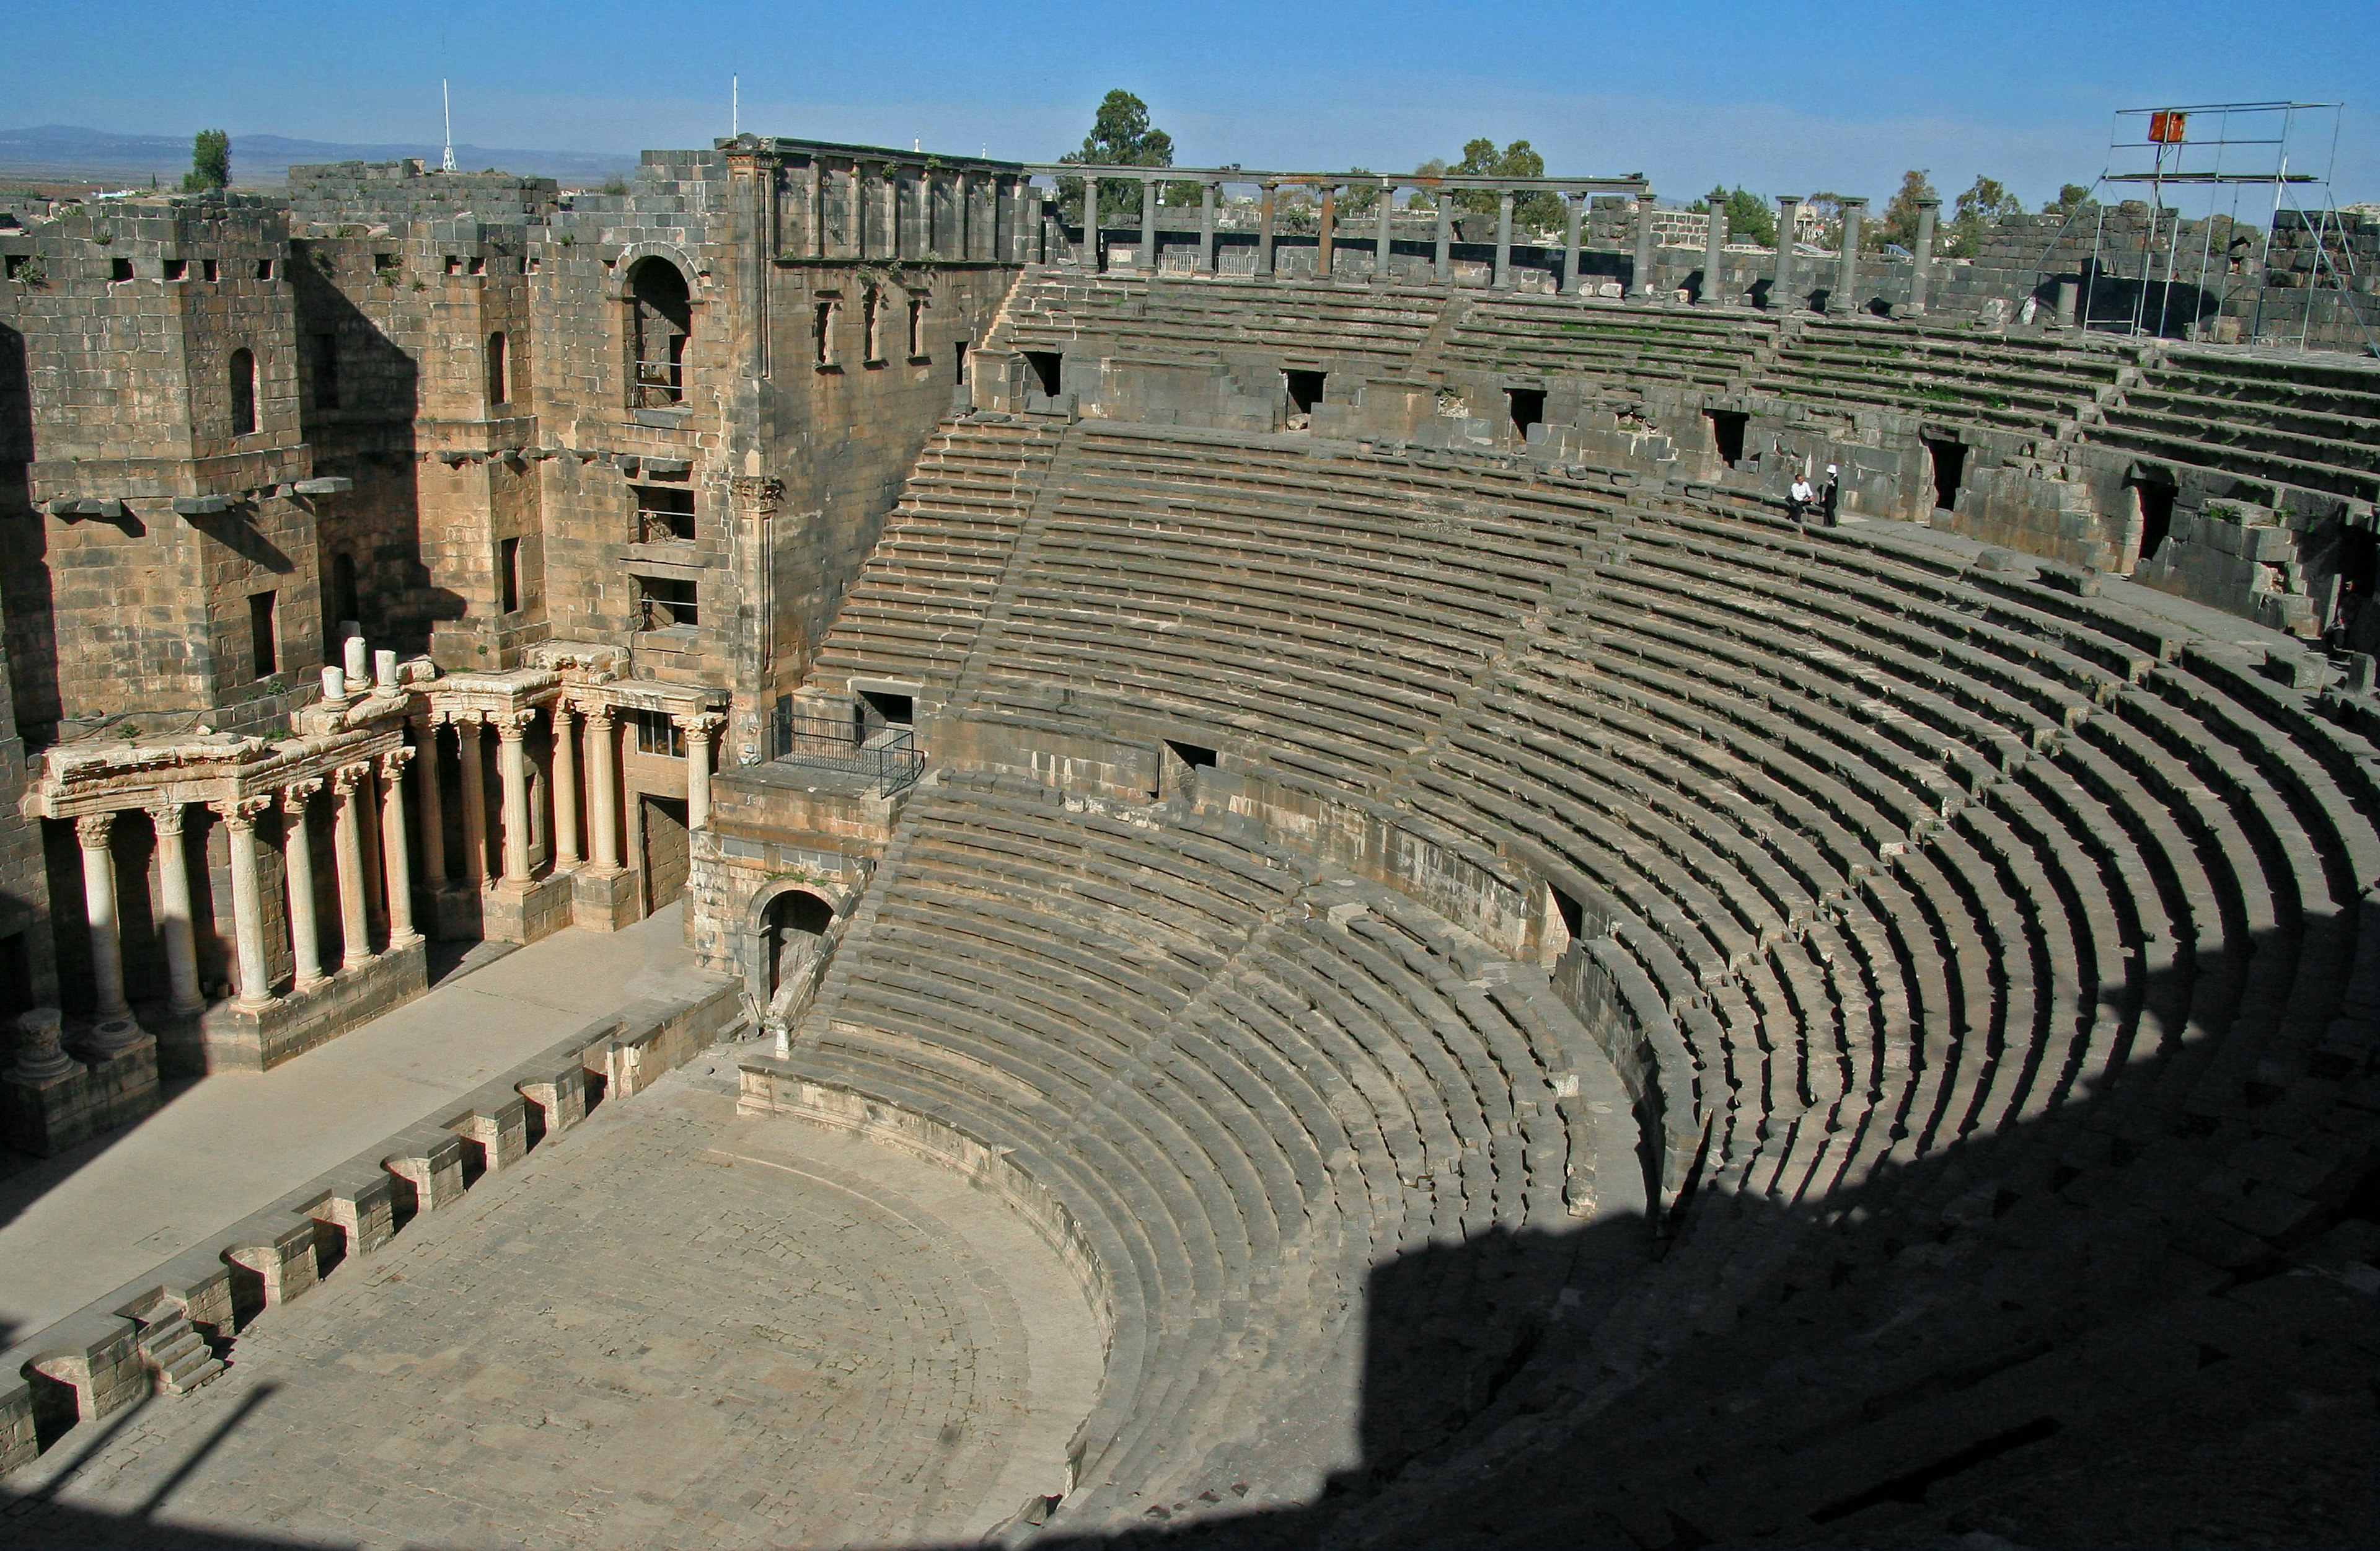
2299 670
605 901
363 1205
20 1441
237 1038
498 1129
86 1366
559 1096
268 1271
509 914
429 1160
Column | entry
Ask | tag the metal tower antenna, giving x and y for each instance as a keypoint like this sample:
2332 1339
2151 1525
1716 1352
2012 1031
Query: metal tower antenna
735 104
447 99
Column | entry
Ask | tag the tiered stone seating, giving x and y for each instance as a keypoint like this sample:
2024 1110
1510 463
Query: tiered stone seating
1630 344
2315 424
2031 384
1979 907
1248 1082
915 608
1309 323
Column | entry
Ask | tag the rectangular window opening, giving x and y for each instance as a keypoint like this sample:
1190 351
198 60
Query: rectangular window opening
1196 756
826 311
14 266
262 647
665 602
958 372
1528 406
917 328
119 271
327 370
664 516
1727 430
453 264
477 265
178 268
1304 390
1568 911
659 736
208 270
881 708
264 268
508 573
872 315
1047 366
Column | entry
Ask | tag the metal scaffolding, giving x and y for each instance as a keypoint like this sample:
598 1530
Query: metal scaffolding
2219 149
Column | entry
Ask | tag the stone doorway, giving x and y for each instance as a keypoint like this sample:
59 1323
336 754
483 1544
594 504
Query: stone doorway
667 850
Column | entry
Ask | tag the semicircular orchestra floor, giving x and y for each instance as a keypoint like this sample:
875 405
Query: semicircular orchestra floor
670 1327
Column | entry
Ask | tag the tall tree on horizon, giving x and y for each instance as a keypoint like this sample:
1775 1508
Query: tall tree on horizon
1121 136
209 163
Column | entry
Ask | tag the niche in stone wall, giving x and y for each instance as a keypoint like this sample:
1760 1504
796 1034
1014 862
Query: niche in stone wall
1728 427
1046 366
661 322
1304 390
1950 463
1527 407
2152 503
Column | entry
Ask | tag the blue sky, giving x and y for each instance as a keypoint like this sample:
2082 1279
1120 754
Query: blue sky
1775 97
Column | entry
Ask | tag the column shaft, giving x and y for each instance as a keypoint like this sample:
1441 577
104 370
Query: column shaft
355 925
566 788
1846 294
1266 204
1921 272
1204 264
700 731
1574 210
98 908
1641 282
1442 265
247 902
433 806
1504 240
1780 291
397 865
1713 292
1380 241
1326 250
512 769
173 902
1093 258
298 875
475 804
1149 226
602 789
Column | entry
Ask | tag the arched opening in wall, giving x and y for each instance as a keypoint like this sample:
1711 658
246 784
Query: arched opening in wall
1950 459
1304 390
2153 499
1046 367
661 322
243 392
1728 427
499 391
264 638
794 930
828 309
508 574
917 328
1528 409
872 315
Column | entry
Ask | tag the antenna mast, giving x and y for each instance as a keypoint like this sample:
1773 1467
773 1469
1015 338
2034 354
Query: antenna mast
446 99
735 104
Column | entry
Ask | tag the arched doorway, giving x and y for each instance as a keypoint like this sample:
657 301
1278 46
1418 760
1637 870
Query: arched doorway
661 318
794 933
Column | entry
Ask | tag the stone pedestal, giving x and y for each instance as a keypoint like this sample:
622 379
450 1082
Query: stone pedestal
606 901
452 911
50 1102
238 1037
524 912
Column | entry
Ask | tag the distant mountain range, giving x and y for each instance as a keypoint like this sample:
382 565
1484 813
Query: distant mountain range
60 151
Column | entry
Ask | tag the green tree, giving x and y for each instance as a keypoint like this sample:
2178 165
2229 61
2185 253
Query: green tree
1121 136
1986 201
1361 196
2072 197
209 163
1540 212
1749 218
1899 222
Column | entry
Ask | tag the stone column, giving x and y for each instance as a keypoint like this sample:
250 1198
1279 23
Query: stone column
1504 281
41 1052
174 901
512 771
397 865
700 731
1327 240
854 210
1920 271
1715 259
1382 274
1573 211
298 873
1149 226
247 906
1205 263
1641 282
475 800
817 244
433 806
347 839
1781 289
1846 293
1443 263
566 788
602 789
99 910
1093 255
1267 203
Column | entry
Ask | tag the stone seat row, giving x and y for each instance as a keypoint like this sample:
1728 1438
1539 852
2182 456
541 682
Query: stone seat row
1340 1088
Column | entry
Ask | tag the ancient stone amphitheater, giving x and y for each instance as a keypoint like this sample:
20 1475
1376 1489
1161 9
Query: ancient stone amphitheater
1953 1081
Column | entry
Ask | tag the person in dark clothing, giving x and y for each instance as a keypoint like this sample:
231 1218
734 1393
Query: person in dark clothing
1827 496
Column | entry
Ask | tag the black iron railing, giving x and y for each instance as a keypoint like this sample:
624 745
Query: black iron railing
887 753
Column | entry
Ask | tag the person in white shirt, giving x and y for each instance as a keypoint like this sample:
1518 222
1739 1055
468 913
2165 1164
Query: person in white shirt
1797 502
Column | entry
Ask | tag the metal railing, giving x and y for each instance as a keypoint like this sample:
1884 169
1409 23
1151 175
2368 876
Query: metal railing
887 753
